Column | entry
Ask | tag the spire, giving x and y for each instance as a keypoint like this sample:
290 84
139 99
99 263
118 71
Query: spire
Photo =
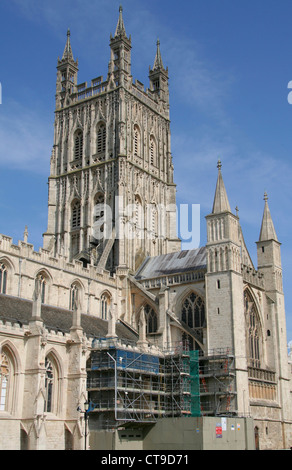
158 60
267 229
120 30
68 54
221 203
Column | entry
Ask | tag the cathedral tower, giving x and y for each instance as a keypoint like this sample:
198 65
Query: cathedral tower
270 265
224 288
111 192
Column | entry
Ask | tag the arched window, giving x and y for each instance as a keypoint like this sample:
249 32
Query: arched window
76 214
138 214
101 138
78 145
74 295
51 385
151 320
193 311
137 141
5 375
8 377
104 306
42 280
98 216
253 330
3 278
153 156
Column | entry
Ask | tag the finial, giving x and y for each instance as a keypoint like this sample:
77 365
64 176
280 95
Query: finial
25 234
219 165
68 32
237 210
120 9
158 42
265 197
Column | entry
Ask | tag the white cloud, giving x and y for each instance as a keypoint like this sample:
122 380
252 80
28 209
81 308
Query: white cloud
25 138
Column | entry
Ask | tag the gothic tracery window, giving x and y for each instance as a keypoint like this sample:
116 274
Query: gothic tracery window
3 278
137 143
101 138
153 156
193 311
51 385
151 319
253 330
78 145
76 214
105 304
5 374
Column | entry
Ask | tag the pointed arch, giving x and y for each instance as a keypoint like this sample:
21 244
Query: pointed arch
101 139
254 331
193 310
52 382
76 294
9 365
137 141
190 309
75 213
7 269
105 303
151 318
78 144
44 278
153 150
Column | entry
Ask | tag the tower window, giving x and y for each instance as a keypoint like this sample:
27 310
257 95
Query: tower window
263 249
137 138
152 151
76 215
218 284
156 84
78 142
101 138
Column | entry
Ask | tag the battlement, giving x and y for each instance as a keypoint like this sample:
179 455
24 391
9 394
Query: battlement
26 250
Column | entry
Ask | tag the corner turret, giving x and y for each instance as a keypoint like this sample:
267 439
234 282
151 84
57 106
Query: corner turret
67 70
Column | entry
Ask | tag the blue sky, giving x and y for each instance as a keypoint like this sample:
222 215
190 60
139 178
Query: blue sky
229 64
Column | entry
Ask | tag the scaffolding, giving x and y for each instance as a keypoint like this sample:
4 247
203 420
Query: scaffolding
217 383
128 384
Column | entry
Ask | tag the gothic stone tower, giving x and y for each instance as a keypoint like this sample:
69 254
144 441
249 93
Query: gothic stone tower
111 191
224 288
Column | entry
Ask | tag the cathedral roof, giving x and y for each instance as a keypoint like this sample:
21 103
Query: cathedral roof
172 263
16 310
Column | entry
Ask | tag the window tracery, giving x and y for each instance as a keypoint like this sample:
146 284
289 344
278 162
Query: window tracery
253 330
101 138
5 372
3 278
78 145
193 311
151 320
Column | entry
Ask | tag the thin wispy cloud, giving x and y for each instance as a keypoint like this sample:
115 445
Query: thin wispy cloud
25 139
